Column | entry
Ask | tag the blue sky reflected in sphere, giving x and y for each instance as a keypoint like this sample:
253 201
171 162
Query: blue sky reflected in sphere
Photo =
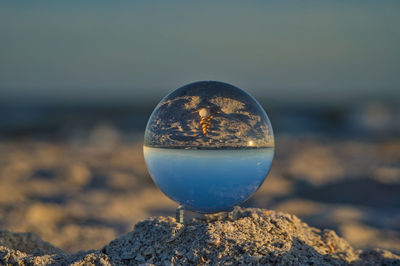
209 146
209 180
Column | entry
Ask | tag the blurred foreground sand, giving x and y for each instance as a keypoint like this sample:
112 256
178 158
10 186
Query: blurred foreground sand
81 195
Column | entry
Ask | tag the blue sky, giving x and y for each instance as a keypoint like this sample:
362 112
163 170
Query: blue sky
140 50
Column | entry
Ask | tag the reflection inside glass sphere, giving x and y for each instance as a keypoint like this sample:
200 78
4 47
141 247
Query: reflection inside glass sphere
209 146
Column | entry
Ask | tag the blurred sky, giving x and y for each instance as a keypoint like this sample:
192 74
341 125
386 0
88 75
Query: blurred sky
94 51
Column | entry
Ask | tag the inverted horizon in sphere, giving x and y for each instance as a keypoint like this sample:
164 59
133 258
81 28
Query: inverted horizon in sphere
208 115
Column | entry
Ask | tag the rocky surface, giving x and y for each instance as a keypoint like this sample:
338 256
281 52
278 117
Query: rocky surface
245 236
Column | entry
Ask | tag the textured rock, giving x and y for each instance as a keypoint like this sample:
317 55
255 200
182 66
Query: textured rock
27 242
245 236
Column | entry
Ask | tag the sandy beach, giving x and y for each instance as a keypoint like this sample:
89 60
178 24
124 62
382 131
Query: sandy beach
82 193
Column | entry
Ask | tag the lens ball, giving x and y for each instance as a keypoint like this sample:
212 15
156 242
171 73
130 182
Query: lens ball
208 146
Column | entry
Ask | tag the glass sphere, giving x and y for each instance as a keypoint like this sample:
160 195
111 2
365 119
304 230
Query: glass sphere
208 146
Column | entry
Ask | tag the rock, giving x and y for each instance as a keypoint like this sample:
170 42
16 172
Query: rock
27 242
247 236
